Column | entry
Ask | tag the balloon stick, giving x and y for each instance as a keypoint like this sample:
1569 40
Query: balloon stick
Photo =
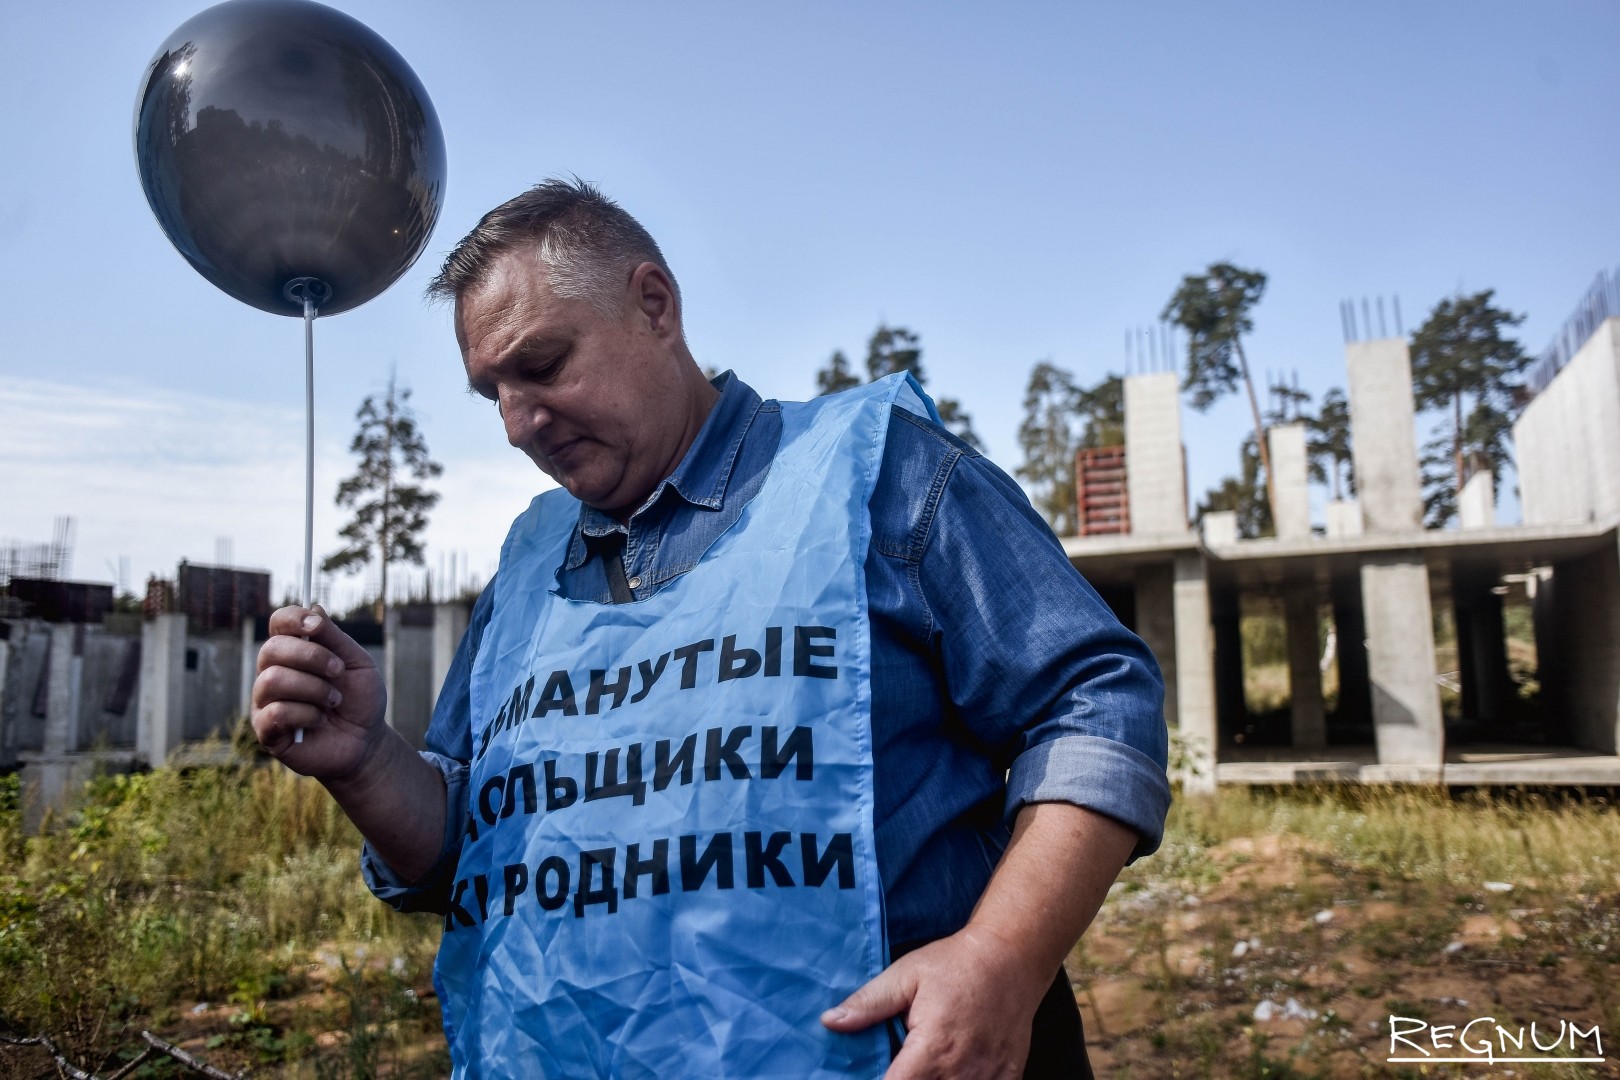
306 289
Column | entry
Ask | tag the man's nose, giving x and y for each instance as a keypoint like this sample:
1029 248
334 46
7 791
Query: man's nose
524 415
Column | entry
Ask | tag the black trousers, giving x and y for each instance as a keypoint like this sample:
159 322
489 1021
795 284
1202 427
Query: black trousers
1057 1041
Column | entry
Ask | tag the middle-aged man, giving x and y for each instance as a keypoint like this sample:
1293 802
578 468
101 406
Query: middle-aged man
785 741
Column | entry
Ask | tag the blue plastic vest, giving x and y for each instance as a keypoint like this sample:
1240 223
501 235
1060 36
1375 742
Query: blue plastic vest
668 868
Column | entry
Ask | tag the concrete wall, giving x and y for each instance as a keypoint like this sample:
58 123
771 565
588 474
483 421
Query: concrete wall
408 672
1155 477
1291 481
1385 445
22 708
1578 641
1567 440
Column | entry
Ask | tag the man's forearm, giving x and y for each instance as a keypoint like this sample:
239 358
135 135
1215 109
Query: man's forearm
1051 882
397 801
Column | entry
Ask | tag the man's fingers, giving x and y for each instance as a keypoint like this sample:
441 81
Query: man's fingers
301 655
275 723
316 625
890 994
286 684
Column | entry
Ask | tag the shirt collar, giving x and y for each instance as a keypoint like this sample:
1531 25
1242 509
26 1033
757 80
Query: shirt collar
703 474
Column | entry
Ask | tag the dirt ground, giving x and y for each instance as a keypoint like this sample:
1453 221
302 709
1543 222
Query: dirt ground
1280 963
1289 965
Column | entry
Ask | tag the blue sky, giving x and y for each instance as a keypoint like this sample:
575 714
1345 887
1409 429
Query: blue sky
1015 182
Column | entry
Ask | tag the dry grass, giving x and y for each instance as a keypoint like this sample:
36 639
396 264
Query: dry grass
1353 905
223 908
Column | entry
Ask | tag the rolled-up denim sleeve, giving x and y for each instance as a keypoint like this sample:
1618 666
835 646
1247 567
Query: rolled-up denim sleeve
449 749
1037 665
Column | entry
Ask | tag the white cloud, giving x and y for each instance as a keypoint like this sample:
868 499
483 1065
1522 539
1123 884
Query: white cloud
155 475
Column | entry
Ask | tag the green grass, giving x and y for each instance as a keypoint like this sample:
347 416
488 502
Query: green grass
209 885
240 887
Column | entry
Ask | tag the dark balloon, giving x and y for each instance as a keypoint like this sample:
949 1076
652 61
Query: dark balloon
281 139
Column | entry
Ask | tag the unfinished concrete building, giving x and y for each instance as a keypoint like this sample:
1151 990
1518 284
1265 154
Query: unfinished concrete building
1372 580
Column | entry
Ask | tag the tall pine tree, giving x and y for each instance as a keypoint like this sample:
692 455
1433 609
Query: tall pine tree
390 505
1463 366
1213 308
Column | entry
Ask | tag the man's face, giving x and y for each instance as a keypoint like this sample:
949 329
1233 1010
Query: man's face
598 401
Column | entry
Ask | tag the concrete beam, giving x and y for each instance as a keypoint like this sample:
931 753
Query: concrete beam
1195 672
1385 437
1291 484
1407 723
1156 475
1307 718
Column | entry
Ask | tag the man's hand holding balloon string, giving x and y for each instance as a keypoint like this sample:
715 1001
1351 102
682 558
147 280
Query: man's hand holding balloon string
315 678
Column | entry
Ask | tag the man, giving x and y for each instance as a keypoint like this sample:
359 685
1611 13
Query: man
785 742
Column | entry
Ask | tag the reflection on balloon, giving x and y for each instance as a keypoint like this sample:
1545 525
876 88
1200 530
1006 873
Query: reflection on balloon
280 139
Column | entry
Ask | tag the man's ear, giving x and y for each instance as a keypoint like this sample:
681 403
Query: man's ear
653 298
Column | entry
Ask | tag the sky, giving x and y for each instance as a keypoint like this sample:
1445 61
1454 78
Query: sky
1014 182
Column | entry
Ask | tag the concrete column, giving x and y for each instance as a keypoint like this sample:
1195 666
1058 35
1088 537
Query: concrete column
62 701
7 754
249 668
1156 626
1307 720
1225 620
1219 528
449 626
50 781
1407 723
162 716
1385 440
1476 506
391 667
1195 670
1547 608
1585 611
1487 689
1350 633
1291 481
407 669
1343 518
1155 473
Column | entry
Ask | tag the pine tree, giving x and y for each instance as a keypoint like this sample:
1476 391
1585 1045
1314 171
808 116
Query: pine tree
1462 365
1049 436
888 350
1213 307
1329 444
390 505
836 375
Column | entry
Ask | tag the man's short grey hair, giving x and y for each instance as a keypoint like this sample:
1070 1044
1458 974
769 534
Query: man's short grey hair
586 241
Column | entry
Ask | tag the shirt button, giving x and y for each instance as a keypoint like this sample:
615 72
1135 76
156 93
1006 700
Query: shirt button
634 583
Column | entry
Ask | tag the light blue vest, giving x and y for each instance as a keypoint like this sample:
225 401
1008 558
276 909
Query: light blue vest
668 869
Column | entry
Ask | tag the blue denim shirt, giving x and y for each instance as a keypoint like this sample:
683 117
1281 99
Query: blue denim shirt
999 677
